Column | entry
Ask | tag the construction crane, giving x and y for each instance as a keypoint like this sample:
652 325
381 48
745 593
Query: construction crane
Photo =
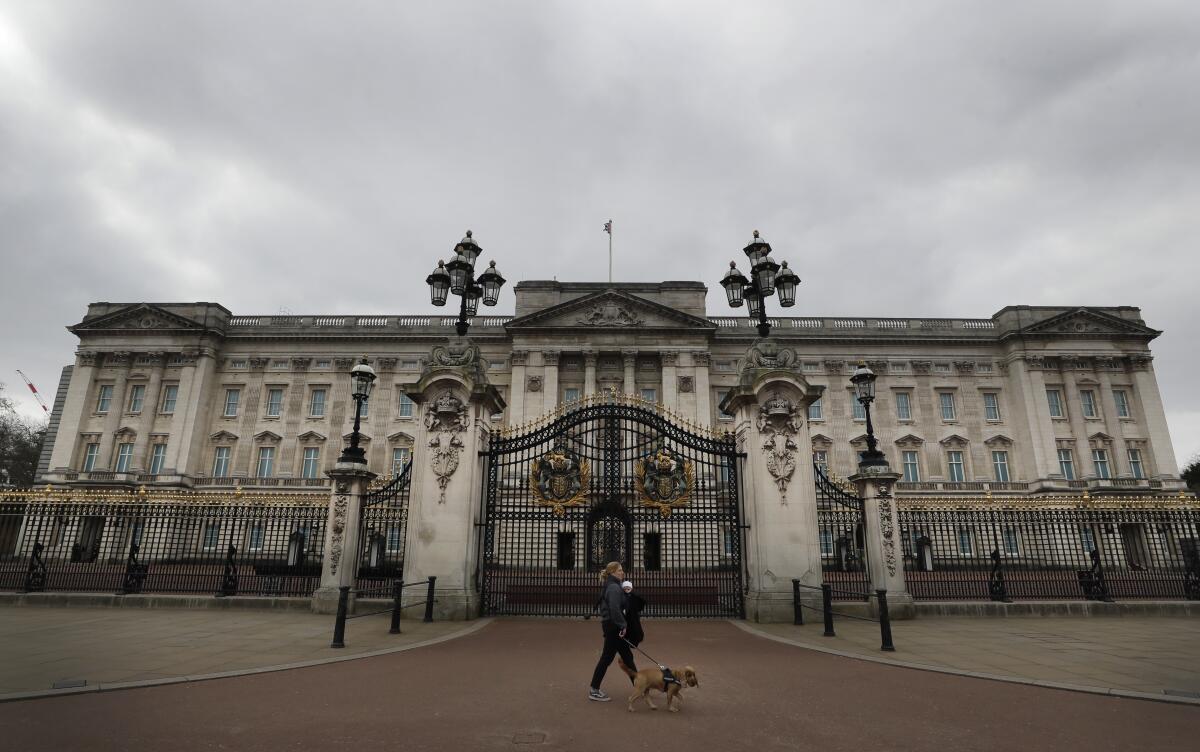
36 395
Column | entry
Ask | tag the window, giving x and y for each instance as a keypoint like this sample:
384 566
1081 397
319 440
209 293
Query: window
124 457
652 551
406 406
912 468
1066 463
104 399
571 394
212 535
231 402
727 541
1135 463
89 457
566 550
826 542
274 402
1054 400
170 395
1100 462
821 460
399 459
137 396
954 461
1122 400
650 395
965 544
257 534
814 410
721 414
266 461
857 410
947 401
903 406
312 462
316 403
1087 399
158 458
221 463
1088 539
394 540
1000 465
364 410
1011 547
991 406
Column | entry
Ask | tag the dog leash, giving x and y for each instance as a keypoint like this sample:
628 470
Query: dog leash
643 652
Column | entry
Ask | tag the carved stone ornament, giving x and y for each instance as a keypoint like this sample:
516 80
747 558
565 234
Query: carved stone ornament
387 364
922 367
664 481
610 314
344 364
88 358
533 384
779 421
258 364
965 366
446 418
340 503
1139 362
884 497
559 479
1035 362
767 354
301 364
687 384
116 359
456 357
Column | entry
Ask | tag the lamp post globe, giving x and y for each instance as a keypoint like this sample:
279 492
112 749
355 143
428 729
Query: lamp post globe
458 277
362 381
766 277
863 380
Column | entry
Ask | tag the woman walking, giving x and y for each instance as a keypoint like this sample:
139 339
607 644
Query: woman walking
613 624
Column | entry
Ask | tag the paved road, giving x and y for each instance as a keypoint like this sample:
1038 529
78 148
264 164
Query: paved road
521 684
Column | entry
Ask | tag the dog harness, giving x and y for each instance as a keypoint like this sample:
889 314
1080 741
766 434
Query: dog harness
668 678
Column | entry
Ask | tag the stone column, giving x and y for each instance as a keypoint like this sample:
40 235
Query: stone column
629 359
193 406
670 382
782 543
1145 387
550 380
1029 375
116 408
701 361
1113 426
885 556
442 538
516 393
75 406
350 480
141 449
589 372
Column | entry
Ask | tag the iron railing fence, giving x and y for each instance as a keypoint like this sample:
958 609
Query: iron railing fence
840 531
184 542
382 530
1051 553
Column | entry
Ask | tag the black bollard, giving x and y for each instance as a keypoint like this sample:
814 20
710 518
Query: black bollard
827 602
339 626
885 623
397 589
797 609
429 601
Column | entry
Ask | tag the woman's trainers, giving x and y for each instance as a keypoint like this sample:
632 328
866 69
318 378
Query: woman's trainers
598 695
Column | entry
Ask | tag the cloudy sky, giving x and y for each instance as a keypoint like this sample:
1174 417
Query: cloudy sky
908 159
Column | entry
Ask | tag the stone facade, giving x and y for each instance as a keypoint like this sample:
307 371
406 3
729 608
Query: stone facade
190 395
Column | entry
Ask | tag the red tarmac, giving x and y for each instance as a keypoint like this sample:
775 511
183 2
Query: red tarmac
522 685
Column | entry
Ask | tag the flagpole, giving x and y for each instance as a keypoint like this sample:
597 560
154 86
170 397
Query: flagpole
610 251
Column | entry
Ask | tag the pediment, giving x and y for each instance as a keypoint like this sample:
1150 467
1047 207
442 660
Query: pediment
860 439
311 436
362 437
610 309
268 437
910 439
953 440
400 437
1088 323
820 438
141 317
1100 436
125 431
223 436
999 440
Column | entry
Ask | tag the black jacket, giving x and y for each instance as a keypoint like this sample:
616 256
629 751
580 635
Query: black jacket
612 603
634 604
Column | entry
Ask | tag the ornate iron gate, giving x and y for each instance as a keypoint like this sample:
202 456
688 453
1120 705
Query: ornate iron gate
382 529
611 481
843 543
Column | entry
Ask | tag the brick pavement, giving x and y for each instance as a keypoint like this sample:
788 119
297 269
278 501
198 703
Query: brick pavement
520 685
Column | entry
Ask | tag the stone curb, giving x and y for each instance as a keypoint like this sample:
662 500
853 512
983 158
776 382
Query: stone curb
1044 683
117 686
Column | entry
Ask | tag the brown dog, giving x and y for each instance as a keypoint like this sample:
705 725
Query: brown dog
652 678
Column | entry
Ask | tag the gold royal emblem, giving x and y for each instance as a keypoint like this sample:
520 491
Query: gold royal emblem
664 481
559 479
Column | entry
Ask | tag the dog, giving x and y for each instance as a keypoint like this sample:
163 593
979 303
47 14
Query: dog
652 678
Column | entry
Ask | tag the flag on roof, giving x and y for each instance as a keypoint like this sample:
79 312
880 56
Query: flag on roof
608 227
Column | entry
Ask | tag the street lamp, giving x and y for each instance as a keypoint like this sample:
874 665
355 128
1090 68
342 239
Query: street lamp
458 277
362 381
766 277
864 390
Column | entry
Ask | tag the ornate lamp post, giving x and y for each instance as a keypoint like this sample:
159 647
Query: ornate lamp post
362 381
458 277
864 389
766 277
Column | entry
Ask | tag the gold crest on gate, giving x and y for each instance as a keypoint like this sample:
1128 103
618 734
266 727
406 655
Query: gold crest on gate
559 479
664 481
